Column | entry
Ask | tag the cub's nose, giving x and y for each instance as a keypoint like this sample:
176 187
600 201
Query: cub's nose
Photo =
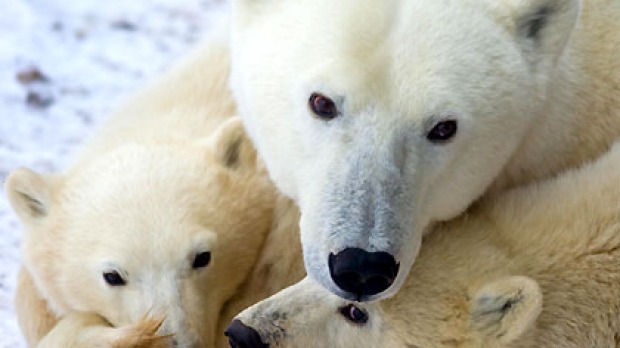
243 336
362 273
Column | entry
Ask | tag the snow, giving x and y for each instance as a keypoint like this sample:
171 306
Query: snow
75 59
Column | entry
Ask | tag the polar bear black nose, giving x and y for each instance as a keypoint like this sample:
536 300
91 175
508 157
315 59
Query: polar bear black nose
362 273
243 336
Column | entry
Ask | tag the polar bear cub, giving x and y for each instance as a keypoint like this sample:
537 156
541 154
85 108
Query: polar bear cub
538 266
155 225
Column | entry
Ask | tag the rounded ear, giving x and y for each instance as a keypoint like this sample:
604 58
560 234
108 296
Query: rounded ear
544 26
505 309
232 146
30 195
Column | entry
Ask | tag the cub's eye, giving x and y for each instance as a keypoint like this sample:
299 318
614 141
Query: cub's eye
202 260
354 314
443 131
323 107
113 278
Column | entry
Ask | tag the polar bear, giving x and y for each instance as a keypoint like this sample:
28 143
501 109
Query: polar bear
380 118
537 266
155 225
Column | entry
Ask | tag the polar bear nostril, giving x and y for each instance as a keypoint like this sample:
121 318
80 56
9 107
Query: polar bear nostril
362 273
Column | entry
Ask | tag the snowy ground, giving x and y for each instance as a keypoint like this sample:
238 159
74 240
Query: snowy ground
63 65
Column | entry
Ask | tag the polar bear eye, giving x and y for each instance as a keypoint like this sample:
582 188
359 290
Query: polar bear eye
443 131
323 107
354 314
202 260
113 278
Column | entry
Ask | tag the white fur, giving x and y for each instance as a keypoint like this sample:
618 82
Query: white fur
167 177
536 266
528 103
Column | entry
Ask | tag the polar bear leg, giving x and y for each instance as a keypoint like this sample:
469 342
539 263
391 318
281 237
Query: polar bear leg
82 330
34 316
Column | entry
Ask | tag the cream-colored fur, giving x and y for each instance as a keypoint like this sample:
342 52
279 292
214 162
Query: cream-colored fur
534 87
279 265
537 266
161 182
78 329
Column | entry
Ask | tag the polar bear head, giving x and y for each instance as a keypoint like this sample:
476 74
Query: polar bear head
162 229
380 117
494 314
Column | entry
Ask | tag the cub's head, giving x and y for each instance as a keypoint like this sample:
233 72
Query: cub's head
495 314
379 117
160 229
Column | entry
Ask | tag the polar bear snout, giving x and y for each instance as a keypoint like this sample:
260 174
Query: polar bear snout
242 336
362 273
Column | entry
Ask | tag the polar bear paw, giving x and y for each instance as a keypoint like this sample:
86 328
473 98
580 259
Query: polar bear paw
142 334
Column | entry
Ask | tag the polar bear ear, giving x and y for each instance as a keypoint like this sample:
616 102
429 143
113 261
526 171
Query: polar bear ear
505 309
544 26
30 194
232 146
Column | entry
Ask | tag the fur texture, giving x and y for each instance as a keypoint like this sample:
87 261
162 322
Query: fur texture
166 179
537 266
278 266
534 87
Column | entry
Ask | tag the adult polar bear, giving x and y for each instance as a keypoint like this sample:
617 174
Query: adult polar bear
380 117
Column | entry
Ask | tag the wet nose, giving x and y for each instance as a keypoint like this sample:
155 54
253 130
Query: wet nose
243 336
362 273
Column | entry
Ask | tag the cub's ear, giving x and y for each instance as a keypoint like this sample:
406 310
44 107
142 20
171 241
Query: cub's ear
30 194
544 26
505 309
232 146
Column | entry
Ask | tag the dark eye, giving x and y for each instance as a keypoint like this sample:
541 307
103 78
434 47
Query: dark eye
323 107
113 278
202 260
443 131
353 314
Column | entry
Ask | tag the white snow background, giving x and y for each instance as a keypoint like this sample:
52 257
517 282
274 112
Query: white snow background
63 65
